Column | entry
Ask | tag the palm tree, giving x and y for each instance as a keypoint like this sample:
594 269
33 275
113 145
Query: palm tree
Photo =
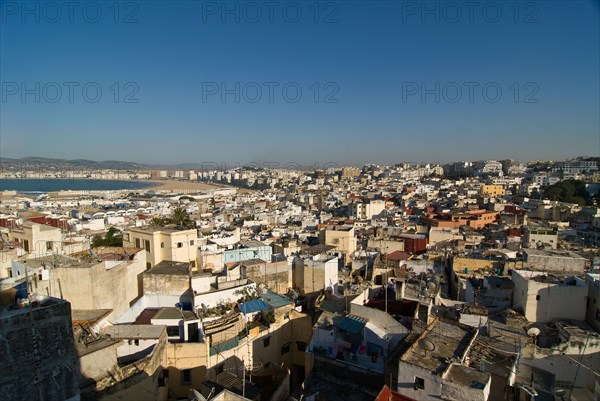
157 221
181 218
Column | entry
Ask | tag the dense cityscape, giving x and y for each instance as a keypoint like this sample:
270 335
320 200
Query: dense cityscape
465 281
324 200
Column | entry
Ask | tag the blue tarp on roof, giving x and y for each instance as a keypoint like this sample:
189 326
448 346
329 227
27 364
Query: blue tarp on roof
351 324
255 305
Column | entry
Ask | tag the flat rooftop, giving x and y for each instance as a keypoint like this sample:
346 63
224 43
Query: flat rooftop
83 259
38 301
552 253
146 316
253 262
339 228
54 260
164 229
448 340
577 329
466 376
250 244
139 331
317 249
89 316
547 278
30 224
170 267
229 381
172 313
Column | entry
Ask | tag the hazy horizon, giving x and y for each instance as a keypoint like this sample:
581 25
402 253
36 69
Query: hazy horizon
279 164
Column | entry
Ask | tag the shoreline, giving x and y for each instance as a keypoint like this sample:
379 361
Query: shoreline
150 185
174 185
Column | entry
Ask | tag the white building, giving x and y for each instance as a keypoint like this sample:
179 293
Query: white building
433 367
543 298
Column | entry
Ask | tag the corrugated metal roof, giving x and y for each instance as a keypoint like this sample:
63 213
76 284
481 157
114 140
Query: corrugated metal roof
351 323
255 305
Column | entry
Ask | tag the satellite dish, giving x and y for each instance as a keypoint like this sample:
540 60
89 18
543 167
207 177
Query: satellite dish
328 321
426 344
533 332
431 286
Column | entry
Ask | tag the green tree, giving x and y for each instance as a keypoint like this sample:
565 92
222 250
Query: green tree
157 221
113 237
569 191
181 218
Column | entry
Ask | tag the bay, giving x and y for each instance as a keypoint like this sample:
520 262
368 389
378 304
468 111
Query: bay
35 185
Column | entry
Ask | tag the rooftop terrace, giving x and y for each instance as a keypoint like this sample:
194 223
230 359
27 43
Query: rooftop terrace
449 342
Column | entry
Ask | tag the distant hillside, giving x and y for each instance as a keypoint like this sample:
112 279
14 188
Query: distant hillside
92 164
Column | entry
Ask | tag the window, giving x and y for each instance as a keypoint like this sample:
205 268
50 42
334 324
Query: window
285 348
266 342
219 369
173 331
193 263
419 383
48 245
147 245
137 342
26 245
192 242
186 376
137 243
537 297
162 244
300 346
148 265
180 245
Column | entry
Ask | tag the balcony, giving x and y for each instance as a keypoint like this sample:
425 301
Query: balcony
365 357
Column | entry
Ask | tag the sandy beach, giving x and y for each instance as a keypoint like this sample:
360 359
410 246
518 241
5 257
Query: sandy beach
175 185
71 185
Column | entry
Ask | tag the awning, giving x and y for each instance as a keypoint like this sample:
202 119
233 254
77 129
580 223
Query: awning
352 324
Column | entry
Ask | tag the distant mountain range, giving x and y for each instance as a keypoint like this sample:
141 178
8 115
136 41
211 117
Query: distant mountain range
104 164
8 163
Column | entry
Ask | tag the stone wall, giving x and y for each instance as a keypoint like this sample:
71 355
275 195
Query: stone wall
56 354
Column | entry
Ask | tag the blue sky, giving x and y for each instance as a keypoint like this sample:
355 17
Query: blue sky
367 71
